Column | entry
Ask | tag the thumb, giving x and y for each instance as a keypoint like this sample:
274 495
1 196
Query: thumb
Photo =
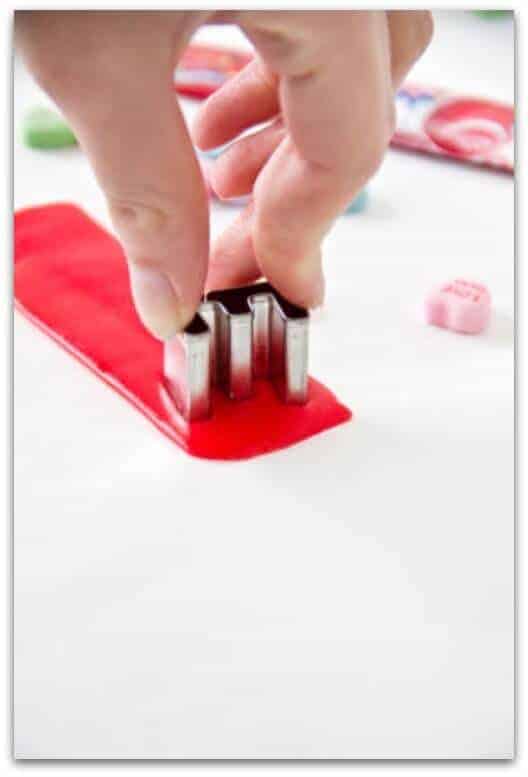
118 97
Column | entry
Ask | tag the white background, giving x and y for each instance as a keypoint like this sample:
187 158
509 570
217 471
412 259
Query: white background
355 599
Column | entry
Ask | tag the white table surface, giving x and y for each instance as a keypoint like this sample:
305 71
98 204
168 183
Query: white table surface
349 597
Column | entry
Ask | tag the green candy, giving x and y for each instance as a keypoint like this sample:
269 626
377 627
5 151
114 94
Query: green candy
44 128
491 14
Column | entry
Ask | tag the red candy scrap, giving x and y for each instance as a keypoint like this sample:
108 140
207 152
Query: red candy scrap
204 69
71 281
469 126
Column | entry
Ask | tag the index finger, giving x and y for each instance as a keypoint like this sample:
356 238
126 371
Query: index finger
336 99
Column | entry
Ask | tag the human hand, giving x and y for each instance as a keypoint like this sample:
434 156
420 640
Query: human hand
324 81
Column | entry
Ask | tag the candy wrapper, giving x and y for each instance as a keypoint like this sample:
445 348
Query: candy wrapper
434 121
467 129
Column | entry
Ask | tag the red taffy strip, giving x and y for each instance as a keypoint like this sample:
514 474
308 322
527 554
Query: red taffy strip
71 281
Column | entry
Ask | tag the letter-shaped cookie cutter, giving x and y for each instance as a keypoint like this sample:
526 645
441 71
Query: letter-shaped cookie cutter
237 336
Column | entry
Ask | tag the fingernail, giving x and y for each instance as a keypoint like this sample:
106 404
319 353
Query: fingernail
157 303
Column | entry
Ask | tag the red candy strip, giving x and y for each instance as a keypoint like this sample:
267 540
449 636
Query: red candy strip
71 281
203 69
465 129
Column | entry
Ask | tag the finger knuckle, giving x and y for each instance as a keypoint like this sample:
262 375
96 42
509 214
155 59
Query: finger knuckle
136 218
369 159
276 241
267 76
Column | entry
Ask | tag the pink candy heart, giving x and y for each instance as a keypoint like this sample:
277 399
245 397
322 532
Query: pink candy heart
460 305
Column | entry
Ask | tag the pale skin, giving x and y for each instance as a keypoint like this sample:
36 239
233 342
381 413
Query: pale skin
324 82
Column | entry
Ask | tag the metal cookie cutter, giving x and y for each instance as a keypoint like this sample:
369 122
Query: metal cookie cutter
237 336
